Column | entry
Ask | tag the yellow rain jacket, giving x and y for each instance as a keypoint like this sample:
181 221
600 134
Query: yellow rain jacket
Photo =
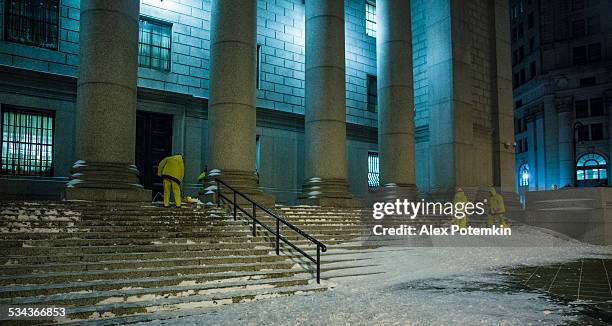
496 202
460 197
172 167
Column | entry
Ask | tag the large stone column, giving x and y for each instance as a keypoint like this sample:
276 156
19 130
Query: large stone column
504 170
395 96
231 104
325 117
469 96
106 103
565 134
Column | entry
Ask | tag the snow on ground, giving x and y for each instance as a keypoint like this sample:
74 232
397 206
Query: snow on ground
421 286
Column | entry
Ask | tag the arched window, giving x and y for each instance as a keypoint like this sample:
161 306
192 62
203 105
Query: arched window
524 175
591 167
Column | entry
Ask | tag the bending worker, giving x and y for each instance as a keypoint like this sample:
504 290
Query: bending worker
172 171
496 209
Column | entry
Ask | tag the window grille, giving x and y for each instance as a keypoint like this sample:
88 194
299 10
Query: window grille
27 142
370 13
597 107
580 55
32 22
373 170
154 45
595 52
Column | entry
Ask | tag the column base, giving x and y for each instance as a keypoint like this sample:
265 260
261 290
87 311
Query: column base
105 181
328 192
243 181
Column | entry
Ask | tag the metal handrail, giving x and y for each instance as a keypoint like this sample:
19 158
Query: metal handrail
320 246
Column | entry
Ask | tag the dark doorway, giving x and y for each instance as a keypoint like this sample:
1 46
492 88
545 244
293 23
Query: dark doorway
153 143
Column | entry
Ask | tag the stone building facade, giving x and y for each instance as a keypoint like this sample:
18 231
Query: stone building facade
562 68
295 113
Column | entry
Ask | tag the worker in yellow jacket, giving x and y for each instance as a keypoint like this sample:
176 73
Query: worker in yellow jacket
172 171
460 198
497 209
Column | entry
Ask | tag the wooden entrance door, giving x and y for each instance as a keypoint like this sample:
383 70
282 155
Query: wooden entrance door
153 143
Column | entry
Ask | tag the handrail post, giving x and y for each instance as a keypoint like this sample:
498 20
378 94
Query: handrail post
254 216
318 264
234 205
218 192
277 237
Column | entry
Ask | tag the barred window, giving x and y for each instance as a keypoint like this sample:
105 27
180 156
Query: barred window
595 52
373 170
370 14
32 22
154 44
372 93
27 142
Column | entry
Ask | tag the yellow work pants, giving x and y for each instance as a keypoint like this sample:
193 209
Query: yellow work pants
493 217
176 190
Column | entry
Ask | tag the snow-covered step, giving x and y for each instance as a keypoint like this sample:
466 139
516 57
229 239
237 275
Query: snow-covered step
134 294
107 311
12 291
79 257
46 277
120 263
144 248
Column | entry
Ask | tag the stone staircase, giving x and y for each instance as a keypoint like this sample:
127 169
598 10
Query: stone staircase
103 261
106 262
116 263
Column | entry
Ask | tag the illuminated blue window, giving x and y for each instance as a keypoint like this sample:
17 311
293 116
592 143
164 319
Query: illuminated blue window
591 166
373 170
370 14
154 44
524 175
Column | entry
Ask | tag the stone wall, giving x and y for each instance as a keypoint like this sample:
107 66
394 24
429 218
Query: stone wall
584 214
280 36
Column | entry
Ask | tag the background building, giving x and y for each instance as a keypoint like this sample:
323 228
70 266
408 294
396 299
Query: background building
562 80
461 79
